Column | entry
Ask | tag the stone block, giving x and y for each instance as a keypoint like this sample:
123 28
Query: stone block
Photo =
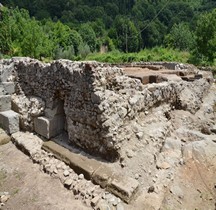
9 87
79 163
49 127
102 176
123 187
58 109
30 144
5 103
9 121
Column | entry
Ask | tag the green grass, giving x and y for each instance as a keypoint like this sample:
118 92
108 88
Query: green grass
154 54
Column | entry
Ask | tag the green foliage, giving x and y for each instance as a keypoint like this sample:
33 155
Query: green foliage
84 50
125 35
180 37
21 35
206 36
73 29
154 54
88 35
68 53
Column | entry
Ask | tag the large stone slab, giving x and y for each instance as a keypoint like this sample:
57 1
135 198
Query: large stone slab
9 121
124 187
79 163
5 103
103 176
27 142
99 173
49 128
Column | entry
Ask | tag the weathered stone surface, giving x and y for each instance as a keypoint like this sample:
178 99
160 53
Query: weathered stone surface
9 121
57 109
9 87
79 163
4 137
97 99
28 142
103 176
49 128
5 103
29 107
124 187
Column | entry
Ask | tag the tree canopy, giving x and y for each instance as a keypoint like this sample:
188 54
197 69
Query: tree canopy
46 28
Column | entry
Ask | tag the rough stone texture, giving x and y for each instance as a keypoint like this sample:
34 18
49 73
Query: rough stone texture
79 163
9 121
4 137
122 186
28 142
28 108
100 103
103 176
9 87
163 131
5 103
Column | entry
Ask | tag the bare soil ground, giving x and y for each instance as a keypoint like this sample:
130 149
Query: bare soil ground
31 189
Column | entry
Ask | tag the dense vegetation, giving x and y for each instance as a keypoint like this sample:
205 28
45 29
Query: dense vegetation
75 28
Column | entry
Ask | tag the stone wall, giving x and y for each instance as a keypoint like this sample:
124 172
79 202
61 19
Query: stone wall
94 102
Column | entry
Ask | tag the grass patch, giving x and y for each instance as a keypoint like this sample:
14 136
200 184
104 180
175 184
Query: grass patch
146 55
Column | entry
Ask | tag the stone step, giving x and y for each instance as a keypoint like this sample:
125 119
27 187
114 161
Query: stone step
96 171
9 121
49 127
122 186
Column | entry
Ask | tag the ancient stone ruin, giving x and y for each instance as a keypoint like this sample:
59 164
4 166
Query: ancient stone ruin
102 108
97 104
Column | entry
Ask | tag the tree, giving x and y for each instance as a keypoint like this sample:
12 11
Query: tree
153 33
35 43
180 37
206 35
5 31
88 35
125 34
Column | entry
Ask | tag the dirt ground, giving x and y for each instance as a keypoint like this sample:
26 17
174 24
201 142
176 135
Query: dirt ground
31 189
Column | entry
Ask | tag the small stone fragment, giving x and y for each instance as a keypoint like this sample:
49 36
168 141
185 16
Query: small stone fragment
95 200
4 198
151 189
139 135
66 173
130 153
136 176
163 165
68 182
81 176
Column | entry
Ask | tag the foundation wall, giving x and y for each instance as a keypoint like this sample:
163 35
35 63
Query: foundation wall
99 101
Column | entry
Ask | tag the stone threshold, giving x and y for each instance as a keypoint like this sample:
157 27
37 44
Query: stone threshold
121 186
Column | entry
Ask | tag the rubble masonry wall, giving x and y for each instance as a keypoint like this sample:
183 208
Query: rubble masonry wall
100 102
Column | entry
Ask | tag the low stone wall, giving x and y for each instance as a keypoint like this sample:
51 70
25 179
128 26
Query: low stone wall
97 102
